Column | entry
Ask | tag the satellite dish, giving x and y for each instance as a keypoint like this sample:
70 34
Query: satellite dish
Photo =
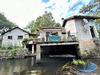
85 20
86 27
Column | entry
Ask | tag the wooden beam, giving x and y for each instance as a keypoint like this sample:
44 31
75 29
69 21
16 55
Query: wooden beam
33 49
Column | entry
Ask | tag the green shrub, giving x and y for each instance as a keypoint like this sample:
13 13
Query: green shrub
76 62
12 53
64 38
25 40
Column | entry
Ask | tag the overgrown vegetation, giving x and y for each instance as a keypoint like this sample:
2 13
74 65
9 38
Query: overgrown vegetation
9 47
64 38
25 40
12 49
71 67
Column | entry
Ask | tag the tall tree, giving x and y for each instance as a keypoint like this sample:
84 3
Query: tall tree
93 9
30 25
46 20
5 24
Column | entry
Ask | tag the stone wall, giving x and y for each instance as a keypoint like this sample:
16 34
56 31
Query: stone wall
17 54
4 53
86 46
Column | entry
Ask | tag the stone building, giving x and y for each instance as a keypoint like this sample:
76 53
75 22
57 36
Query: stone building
14 36
83 28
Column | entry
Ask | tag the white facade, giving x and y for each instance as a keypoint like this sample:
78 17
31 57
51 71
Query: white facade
44 32
76 27
84 29
17 36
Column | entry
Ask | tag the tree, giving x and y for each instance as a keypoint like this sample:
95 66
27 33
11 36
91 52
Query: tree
5 24
93 9
46 20
30 25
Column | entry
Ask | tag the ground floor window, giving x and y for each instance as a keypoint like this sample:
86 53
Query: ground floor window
10 37
20 37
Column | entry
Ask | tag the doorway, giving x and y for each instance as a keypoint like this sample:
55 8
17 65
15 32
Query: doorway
92 31
47 35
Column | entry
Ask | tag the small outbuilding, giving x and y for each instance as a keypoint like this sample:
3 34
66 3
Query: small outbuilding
14 36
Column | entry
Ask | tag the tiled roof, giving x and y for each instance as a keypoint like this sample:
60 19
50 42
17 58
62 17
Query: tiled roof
49 27
17 28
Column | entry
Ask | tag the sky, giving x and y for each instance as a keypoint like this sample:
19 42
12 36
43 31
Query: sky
22 12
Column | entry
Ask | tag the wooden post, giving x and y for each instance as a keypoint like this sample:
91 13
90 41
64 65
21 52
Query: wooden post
38 53
32 49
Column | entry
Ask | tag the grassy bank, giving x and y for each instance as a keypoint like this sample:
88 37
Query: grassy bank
10 51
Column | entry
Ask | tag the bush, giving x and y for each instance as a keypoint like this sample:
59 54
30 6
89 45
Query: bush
12 53
25 40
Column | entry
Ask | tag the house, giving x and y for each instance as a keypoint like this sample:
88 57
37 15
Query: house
46 32
14 36
83 28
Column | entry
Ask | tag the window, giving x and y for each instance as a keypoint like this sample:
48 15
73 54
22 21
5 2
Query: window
54 33
20 37
9 37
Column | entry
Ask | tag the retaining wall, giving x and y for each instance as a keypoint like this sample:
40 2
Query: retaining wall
17 54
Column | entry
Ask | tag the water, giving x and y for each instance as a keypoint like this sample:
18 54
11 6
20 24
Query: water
48 66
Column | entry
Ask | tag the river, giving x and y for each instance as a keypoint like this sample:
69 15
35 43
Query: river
48 66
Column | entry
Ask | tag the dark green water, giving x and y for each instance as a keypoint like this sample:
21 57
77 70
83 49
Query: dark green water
48 66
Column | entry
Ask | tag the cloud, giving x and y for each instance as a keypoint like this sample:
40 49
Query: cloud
23 11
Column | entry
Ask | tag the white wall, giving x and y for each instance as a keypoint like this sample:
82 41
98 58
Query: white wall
70 26
14 33
83 34
43 32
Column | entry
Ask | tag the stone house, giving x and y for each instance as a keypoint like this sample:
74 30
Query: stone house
83 28
44 32
14 36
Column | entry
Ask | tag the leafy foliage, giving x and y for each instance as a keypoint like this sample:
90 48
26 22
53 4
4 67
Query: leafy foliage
10 47
25 40
93 9
5 24
30 25
46 20
76 62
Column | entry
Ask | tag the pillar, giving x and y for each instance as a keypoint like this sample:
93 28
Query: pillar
32 49
24 46
38 53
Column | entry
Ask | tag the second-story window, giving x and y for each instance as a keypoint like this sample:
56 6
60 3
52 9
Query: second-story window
10 37
20 37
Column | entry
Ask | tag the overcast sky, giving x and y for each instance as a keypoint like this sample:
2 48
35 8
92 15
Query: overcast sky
23 11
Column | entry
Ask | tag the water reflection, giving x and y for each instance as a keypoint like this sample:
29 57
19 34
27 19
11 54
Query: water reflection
48 66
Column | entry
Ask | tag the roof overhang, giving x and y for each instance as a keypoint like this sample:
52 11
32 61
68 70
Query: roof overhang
79 17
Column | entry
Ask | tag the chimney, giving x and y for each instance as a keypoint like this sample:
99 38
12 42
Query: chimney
62 20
